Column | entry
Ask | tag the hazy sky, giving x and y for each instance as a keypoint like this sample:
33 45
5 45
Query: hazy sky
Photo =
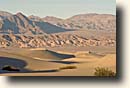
58 8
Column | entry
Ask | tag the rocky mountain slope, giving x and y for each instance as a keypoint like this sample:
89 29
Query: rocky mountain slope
52 40
83 21
18 30
20 24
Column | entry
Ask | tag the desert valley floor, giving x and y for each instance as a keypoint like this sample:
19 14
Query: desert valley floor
50 61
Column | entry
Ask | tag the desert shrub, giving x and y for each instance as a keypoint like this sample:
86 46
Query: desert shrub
67 67
103 72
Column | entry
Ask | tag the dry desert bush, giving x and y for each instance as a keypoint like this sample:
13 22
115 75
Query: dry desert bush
101 71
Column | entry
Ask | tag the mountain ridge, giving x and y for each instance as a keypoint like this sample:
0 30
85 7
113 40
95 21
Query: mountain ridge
83 21
20 24
18 30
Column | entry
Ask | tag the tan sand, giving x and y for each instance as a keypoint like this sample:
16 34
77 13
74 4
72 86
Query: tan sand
85 63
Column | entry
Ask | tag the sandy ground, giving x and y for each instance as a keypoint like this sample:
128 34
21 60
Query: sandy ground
42 62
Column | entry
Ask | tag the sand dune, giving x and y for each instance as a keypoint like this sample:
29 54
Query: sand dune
48 63
4 61
45 63
48 55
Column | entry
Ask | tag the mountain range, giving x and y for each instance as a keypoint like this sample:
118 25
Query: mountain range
21 24
80 30
83 21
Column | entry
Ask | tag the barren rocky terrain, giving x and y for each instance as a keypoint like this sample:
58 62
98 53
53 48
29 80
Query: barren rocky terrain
51 46
52 40
18 30
90 21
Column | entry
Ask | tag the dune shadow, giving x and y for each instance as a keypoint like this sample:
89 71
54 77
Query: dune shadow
66 62
42 71
19 64
59 55
12 62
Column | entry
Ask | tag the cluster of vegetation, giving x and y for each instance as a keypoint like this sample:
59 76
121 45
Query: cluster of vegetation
67 67
104 72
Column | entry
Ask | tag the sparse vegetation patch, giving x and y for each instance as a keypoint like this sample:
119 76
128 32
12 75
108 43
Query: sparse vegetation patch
101 71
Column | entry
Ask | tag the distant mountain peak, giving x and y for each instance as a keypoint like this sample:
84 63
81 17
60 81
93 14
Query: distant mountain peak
34 18
52 17
20 14
22 17
5 14
49 17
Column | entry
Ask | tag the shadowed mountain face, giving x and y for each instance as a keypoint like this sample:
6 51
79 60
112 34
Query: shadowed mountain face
49 28
20 24
83 21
